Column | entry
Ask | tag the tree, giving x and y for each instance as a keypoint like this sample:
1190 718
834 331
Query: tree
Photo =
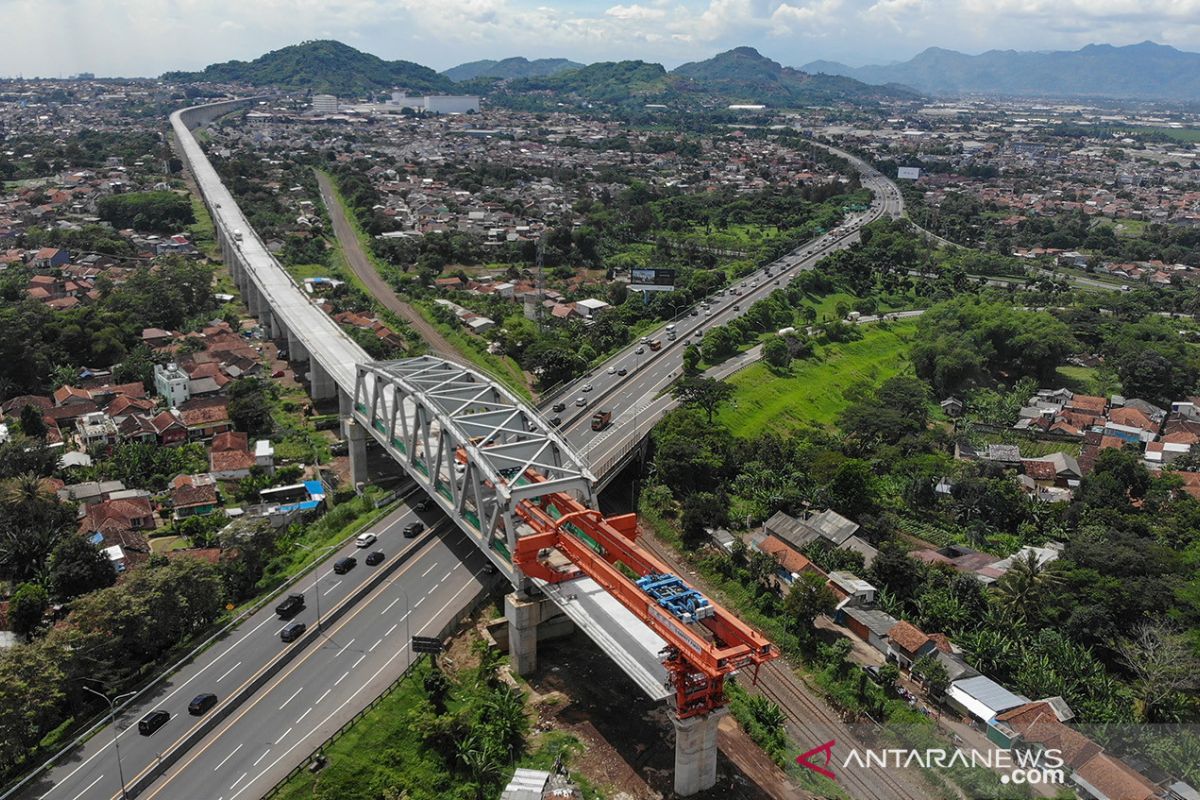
932 673
1023 588
691 359
250 406
809 597
1165 667
77 567
777 353
26 609
705 393
703 510
32 691
849 492
32 423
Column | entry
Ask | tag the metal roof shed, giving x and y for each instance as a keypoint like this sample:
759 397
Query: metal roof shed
982 697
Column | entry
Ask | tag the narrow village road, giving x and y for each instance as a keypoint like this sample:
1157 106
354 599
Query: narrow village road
362 267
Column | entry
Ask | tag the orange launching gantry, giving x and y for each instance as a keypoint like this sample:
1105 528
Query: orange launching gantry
705 643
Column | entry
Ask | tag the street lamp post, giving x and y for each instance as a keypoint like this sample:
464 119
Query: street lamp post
317 575
112 723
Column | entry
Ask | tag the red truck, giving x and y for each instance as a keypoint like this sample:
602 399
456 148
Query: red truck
600 420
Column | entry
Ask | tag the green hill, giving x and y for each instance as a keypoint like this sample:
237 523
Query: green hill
323 66
744 75
518 67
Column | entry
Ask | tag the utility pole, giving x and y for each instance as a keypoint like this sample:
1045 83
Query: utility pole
541 278
112 723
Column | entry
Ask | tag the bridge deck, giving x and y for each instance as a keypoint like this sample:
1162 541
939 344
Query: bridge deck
623 637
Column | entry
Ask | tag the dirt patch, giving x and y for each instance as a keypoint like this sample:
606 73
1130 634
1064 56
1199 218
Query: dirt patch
630 742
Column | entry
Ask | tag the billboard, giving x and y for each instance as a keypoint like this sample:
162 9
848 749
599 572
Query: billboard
652 280
908 173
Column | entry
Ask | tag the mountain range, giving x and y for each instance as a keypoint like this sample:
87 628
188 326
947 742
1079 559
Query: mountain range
518 67
1141 71
741 75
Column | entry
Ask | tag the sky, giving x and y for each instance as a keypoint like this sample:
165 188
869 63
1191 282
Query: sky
147 37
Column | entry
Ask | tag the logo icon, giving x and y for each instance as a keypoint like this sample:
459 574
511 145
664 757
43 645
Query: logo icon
820 769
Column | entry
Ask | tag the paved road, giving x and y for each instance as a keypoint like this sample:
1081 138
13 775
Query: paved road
329 683
91 771
361 265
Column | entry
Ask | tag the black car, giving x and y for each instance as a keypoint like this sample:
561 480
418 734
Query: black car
202 703
622 372
374 558
413 529
559 407
291 606
424 504
293 632
344 565
490 569
152 722
556 421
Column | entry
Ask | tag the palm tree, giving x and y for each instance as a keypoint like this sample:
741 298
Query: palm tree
26 491
1022 587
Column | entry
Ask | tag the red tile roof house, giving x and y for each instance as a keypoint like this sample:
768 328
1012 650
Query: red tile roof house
790 562
193 501
205 417
1105 777
907 643
126 514
230 457
169 429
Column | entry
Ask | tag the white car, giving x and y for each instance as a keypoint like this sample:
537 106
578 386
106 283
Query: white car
365 539
612 370
587 387
580 401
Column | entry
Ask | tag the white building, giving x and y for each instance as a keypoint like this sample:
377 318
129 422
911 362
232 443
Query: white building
451 103
324 104
172 384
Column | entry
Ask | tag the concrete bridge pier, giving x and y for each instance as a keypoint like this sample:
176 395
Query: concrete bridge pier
696 752
321 383
524 614
296 352
253 299
356 437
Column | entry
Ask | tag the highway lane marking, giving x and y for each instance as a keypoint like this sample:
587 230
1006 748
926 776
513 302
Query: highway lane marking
298 721
290 699
378 642
322 697
225 674
349 699
226 758
432 567
339 680
283 736
447 575
389 633
359 661
264 755
418 603
345 646
87 788
181 687
308 654
239 780
331 588
389 606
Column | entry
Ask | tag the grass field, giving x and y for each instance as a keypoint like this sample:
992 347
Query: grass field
1087 380
813 392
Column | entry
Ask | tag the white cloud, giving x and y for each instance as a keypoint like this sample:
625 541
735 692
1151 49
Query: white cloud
145 37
